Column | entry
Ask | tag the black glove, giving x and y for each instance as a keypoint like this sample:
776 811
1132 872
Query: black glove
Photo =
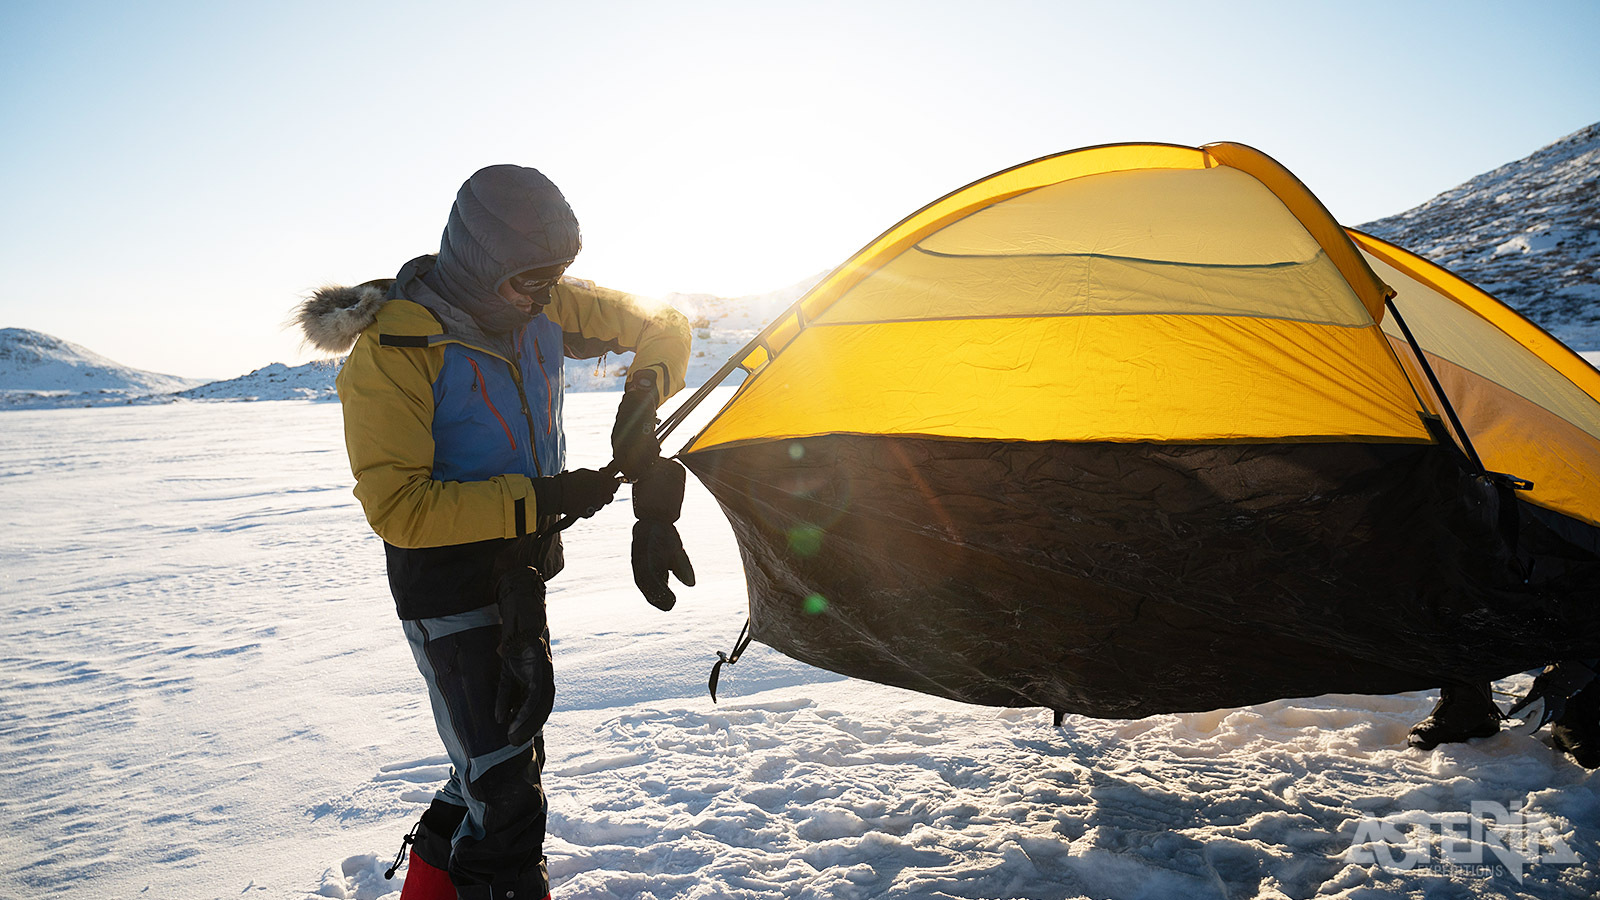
633 437
580 492
657 548
658 494
527 678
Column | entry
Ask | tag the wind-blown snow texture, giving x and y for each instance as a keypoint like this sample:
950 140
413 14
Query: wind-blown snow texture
1527 232
204 693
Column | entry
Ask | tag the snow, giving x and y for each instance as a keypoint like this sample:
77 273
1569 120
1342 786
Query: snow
39 369
204 693
312 381
1527 232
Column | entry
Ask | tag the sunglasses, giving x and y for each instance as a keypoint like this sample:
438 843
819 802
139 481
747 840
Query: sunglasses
535 282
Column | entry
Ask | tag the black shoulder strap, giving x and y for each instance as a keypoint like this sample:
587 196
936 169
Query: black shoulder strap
403 340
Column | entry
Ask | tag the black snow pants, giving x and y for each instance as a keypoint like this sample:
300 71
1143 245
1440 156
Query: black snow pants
494 792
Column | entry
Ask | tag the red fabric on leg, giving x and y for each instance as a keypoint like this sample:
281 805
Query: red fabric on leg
424 882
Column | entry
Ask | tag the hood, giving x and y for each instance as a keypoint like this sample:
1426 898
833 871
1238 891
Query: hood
505 219
334 316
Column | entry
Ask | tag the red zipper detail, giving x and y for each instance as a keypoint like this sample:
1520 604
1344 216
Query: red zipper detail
490 403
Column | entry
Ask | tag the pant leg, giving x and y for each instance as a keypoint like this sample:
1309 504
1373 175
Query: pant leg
498 847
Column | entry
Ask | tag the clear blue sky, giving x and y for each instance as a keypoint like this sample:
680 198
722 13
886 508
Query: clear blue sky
175 175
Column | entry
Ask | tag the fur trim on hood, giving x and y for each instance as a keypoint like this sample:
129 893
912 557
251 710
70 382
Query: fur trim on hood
333 317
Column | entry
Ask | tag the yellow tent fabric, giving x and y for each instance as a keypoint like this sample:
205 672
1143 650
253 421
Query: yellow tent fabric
1134 429
1530 406
1124 293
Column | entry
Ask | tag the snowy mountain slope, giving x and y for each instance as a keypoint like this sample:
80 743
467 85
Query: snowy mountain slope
34 365
1527 232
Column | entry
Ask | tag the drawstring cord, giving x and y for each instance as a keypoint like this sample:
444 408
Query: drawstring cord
400 858
738 651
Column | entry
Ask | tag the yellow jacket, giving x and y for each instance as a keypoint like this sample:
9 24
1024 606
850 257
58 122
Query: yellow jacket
446 428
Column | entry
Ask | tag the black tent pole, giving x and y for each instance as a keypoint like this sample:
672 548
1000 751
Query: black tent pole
682 412
1438 389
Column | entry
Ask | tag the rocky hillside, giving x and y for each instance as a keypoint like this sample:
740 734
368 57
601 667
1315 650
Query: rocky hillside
1527 232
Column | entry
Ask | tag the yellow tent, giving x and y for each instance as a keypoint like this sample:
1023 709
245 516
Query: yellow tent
1136 428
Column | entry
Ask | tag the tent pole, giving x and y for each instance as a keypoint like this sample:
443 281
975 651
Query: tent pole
1438 389
682 412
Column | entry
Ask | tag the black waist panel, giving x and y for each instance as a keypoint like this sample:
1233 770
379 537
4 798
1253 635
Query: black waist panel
429 582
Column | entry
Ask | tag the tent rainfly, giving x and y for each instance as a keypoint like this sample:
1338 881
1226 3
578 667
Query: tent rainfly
1140 428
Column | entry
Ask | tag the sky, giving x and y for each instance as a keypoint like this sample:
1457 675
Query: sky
176 176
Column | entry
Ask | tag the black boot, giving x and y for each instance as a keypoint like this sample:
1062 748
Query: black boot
1464 711
1578 730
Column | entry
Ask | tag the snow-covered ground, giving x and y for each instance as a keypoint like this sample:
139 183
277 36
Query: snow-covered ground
204 693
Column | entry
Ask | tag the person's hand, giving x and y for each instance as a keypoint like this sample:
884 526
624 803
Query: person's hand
658 550
633 437
657 547
580 492
527 678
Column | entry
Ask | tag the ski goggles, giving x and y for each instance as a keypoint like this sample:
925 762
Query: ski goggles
536 283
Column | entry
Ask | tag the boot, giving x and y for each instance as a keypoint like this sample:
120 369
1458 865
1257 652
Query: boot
1578 730
1464 711
424 882
427 877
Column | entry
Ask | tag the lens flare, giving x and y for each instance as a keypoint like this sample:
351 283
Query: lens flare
814 605
805 540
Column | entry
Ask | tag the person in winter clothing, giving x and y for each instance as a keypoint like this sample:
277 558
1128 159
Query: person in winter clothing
452 397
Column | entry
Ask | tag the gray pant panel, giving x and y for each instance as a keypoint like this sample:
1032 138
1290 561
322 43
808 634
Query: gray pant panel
500 841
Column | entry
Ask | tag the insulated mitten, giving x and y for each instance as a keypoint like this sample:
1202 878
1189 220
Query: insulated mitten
657 550
580 492
527 676
657 547
633 437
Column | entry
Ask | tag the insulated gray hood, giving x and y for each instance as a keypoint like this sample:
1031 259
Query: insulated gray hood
506 219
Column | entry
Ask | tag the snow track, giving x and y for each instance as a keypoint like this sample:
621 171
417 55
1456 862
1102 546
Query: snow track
204 693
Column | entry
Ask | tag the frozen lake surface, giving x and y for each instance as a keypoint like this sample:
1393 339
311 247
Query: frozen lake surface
204 693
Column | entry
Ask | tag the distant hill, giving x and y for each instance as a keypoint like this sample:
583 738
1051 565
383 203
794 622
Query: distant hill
1527 232
312 381
39 369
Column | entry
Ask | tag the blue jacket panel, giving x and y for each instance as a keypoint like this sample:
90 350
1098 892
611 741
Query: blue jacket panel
494 416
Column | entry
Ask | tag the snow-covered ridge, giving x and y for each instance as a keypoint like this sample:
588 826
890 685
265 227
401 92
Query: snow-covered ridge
1527 232
34 365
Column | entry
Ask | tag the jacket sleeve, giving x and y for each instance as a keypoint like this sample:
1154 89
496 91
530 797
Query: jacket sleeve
596 320
387 395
